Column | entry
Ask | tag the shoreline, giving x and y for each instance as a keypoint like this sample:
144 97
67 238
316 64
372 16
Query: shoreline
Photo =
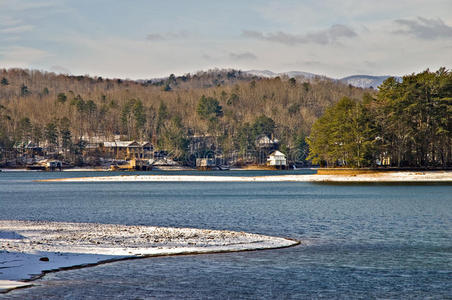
376 177
31 249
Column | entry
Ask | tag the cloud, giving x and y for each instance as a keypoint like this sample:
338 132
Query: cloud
9 21
22 5
242 56
60 69
155 37
18 56
18 52
166 36
10 25
423 28
322 37
207 57
17 29
227 57
312 63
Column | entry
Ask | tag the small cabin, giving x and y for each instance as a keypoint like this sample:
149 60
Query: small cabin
277 159
205 162
53 165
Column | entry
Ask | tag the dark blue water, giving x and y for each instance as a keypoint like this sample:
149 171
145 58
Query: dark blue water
360 241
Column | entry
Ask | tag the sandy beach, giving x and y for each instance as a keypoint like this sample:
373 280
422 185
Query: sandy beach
401 177
30 249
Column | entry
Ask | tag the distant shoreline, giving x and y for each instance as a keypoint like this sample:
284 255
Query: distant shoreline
372 177
321 171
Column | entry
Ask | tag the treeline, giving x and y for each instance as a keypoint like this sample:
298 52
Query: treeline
406 124
228 105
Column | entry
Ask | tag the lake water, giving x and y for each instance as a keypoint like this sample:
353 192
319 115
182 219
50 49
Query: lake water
359 241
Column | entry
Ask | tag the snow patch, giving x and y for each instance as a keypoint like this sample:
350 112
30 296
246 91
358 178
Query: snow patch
437 176
48 246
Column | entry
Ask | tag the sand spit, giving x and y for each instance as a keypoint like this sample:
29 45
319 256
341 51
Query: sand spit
401 177
30 249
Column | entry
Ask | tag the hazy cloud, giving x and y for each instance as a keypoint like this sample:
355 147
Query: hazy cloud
242 56
65 29
328 36
228 57
60 69
22 5
166 36
155 37
424 28
9 21
312 63
17 29
207 57
17 56
10 25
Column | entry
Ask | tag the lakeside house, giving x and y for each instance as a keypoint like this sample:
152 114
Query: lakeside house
206 163
264 142
277 159
28 148
128 149
264 145
102 150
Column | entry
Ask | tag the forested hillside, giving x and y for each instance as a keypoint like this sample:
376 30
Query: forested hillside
408 123
229 105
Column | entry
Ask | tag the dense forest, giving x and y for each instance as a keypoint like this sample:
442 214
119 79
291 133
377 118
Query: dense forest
408 123
230 106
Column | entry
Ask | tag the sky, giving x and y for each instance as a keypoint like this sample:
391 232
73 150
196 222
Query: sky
141 39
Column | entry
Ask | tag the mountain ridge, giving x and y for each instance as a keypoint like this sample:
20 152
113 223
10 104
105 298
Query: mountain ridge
362 81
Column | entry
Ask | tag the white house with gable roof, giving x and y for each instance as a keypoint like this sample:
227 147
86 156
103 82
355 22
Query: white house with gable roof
277 159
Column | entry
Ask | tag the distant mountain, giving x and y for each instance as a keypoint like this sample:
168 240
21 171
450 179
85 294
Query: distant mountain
362 81
365 81
215 77
270 74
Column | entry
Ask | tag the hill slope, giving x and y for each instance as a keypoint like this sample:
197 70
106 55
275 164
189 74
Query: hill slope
361 81
364 81
231 107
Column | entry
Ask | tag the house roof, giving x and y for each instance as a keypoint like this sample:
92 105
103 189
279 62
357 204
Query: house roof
127 144
123 144
145 144
265 140
277 153
27 145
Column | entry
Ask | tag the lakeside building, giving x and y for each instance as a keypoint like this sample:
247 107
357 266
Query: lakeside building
100 150
277 159
206 163
128 149
267 143
28 148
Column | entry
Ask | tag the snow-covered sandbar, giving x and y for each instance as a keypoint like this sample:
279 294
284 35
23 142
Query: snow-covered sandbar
430 176
30 249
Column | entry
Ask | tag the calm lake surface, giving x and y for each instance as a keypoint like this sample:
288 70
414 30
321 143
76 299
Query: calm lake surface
359 241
